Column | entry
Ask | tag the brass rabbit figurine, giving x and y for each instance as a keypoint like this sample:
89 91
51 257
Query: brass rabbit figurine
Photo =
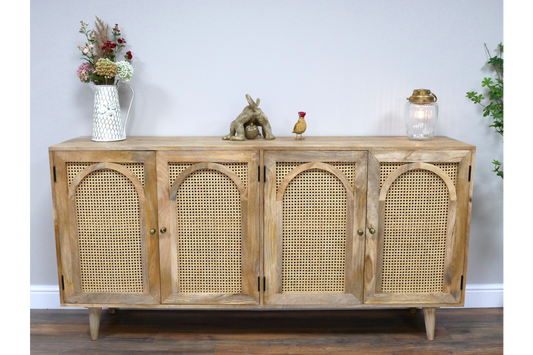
251 115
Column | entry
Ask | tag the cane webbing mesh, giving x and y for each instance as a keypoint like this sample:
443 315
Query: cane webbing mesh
74 169
314 230
109 229
209 229
284 168
414 235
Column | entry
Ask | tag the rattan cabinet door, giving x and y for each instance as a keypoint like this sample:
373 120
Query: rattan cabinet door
105 205
314 206
418 207
209 206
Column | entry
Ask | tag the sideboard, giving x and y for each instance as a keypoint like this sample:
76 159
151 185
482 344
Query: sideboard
203 223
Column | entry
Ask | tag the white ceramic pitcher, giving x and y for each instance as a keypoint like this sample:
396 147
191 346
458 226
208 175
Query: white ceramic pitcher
107 120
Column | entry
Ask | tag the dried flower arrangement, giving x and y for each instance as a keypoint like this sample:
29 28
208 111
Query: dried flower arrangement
100 53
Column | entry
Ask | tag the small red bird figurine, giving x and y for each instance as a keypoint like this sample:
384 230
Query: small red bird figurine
300 126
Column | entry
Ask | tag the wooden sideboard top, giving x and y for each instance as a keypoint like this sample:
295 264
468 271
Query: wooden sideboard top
280 143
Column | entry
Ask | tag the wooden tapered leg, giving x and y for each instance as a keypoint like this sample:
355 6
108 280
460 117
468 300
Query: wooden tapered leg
94 321
112 310
429 319
412 310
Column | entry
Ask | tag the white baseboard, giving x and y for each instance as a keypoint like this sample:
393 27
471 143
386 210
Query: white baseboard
477 296
44 296
481 296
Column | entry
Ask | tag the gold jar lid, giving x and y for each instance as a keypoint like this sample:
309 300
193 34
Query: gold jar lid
422 96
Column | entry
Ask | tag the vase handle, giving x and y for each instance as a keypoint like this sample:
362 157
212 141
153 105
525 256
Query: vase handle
129 108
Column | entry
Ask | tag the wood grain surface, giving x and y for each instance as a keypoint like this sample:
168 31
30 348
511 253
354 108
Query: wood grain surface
280 143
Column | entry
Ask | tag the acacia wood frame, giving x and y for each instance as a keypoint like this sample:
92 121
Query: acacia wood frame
355 219
458 221
207 153
249 198
67 234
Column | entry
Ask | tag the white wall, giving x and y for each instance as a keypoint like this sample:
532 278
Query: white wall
349 64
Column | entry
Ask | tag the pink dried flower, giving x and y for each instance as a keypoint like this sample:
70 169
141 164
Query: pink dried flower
83 71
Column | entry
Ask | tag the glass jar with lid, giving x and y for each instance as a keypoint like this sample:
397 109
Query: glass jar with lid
421 114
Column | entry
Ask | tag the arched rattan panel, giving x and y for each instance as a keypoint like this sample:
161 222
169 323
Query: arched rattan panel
208 200
314 202
107 200
418 204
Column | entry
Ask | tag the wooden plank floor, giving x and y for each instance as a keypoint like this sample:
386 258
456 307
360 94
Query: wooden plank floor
393 331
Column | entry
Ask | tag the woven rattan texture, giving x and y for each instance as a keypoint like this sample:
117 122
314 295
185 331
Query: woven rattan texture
314 230
75 168
414 236
209 222
109 230
284 168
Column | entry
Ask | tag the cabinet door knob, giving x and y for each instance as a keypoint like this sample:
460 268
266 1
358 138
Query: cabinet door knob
372 230
152 231
360 232
163 230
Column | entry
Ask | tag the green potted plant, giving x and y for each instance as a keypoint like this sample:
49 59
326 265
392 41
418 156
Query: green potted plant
494 108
